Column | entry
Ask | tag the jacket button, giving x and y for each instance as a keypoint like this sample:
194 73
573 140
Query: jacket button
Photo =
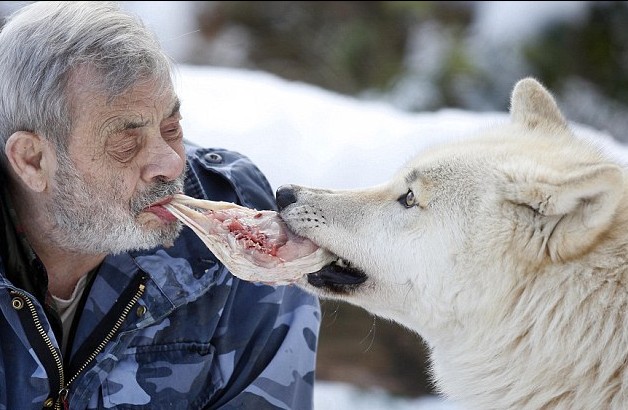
49 402
17 303
141 310
213 158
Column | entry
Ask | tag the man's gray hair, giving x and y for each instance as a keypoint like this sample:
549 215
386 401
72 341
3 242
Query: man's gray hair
43 43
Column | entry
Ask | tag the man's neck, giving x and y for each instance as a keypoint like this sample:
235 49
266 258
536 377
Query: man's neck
65 270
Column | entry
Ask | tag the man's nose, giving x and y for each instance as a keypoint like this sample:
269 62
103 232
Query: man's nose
164 160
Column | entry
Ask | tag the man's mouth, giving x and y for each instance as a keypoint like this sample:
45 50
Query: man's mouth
158 209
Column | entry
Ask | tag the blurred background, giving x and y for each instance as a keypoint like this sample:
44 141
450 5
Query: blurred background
418 56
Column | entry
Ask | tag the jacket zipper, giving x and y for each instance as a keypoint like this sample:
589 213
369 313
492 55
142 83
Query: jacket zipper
64 388
40 329
63 394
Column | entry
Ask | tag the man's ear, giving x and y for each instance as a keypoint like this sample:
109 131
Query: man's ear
26 153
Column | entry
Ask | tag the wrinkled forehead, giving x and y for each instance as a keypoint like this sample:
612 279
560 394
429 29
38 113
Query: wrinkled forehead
88 92
88 79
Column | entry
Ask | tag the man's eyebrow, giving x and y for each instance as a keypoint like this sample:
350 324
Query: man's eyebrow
176 107
116 125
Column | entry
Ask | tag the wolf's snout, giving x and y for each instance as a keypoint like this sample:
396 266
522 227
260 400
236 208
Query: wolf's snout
285 196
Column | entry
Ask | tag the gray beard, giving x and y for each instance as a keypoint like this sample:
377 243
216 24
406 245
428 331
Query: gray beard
95 219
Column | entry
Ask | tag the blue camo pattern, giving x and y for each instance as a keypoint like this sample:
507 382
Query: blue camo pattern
205 340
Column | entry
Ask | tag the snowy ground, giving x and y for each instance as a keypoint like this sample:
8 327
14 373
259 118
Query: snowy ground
342 396
298 133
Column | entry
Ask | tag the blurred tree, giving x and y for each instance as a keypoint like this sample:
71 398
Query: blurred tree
585 63
345 46
595 49
424 55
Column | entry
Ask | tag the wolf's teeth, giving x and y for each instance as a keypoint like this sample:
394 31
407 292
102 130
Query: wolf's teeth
343 263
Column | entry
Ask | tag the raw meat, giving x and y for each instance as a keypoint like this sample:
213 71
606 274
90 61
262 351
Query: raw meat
254 245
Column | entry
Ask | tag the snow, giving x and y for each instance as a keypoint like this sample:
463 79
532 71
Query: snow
343 396
301 134
297 133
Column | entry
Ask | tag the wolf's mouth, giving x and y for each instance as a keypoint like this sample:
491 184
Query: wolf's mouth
339 276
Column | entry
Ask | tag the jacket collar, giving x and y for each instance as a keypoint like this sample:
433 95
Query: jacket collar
21 265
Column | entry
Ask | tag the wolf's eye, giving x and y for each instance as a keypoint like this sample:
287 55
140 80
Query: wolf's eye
408 200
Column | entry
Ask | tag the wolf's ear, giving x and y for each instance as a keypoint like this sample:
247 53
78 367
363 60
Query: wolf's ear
534 107
570 210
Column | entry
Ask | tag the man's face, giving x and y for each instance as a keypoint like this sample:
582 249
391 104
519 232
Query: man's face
123 156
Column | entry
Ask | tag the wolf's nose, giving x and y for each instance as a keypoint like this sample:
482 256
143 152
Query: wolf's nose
285 195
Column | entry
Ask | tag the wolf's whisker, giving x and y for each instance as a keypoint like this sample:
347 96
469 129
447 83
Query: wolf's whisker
370 333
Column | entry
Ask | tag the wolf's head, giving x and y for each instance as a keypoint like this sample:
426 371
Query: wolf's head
461 225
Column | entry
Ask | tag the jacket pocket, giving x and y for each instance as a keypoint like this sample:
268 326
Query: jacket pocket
173 376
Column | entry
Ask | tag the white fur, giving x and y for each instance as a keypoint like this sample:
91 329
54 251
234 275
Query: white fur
512 265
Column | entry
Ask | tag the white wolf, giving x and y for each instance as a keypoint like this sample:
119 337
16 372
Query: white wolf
507 253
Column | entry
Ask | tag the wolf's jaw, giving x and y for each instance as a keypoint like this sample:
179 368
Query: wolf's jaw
338 277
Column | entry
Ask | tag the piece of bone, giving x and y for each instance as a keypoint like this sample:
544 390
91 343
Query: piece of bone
254 245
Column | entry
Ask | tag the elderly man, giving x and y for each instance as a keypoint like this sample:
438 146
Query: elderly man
105 300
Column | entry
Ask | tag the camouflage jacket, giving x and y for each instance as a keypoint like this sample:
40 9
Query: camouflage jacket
169 328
